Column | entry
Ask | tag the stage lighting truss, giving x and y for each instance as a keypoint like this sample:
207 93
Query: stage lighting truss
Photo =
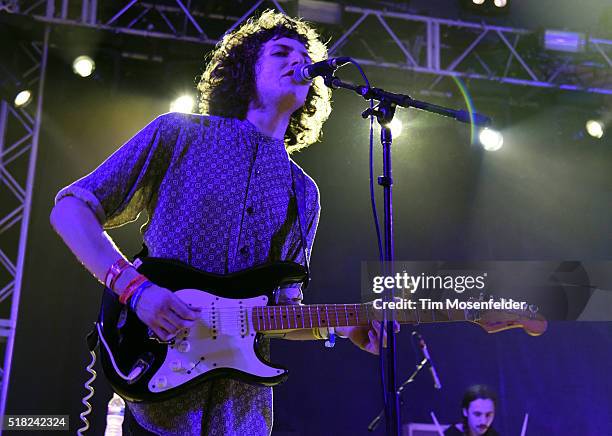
19 131
452 48
434 46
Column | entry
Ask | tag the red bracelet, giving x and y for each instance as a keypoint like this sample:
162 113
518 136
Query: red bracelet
114 272
131 288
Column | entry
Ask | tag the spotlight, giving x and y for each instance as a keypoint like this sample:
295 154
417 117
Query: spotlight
23 98
396 127
83 66
487 7
491 140
183 104
559 40
595 128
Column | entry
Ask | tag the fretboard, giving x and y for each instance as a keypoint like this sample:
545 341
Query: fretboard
266 318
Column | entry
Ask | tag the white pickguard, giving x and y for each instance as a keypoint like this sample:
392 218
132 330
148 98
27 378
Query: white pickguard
223 338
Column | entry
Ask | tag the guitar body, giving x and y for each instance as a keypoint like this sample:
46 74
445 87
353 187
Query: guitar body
222 343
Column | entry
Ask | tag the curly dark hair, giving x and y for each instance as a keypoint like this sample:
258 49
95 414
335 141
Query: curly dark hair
231 72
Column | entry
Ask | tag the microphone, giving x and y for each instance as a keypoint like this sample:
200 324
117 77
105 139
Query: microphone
306 73
425 353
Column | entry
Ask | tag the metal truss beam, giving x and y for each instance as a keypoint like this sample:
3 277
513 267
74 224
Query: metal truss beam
171 19
476 51
19 132
434 46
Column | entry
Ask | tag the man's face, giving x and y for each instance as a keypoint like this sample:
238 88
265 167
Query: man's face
480 416
278 59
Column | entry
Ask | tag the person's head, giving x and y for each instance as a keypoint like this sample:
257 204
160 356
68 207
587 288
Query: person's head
478 408
253 67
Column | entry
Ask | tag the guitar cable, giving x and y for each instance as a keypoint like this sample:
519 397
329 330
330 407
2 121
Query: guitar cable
381 354
86 398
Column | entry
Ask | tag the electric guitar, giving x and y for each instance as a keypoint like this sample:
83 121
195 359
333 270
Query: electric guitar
234 316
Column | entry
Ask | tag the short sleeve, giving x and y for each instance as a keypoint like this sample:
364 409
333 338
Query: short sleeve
122 186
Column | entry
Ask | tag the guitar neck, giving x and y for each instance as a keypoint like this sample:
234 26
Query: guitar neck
294 317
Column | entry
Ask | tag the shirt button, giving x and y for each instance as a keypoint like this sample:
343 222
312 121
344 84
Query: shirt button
250 210
243 250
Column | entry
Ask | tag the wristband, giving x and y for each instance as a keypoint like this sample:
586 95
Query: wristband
131 288
136 295
114 272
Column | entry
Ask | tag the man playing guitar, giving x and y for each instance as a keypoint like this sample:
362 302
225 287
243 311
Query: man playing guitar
220 193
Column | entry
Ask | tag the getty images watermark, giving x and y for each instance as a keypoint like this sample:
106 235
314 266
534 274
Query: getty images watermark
404 283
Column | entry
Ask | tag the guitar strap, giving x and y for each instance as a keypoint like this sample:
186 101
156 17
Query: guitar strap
298 185
299 192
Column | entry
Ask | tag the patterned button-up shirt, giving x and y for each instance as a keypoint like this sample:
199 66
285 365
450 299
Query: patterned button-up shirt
219 197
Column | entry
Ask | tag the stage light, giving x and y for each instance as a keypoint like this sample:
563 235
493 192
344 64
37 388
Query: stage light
491 140
396 127
183 104
83 66
595 128
23 98
558 40
320 11
486 7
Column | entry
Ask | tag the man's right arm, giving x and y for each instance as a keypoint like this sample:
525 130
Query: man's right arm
81 231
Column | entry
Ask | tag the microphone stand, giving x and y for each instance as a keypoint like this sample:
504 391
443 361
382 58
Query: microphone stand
422 364
384 112
406 101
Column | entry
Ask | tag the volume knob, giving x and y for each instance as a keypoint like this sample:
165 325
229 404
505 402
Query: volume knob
183 346
176 365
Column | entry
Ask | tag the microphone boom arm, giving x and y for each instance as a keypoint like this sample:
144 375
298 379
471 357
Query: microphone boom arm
406 101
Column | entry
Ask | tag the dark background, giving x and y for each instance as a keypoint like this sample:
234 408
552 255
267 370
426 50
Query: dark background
544 196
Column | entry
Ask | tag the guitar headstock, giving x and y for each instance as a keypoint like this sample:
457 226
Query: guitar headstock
494 321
